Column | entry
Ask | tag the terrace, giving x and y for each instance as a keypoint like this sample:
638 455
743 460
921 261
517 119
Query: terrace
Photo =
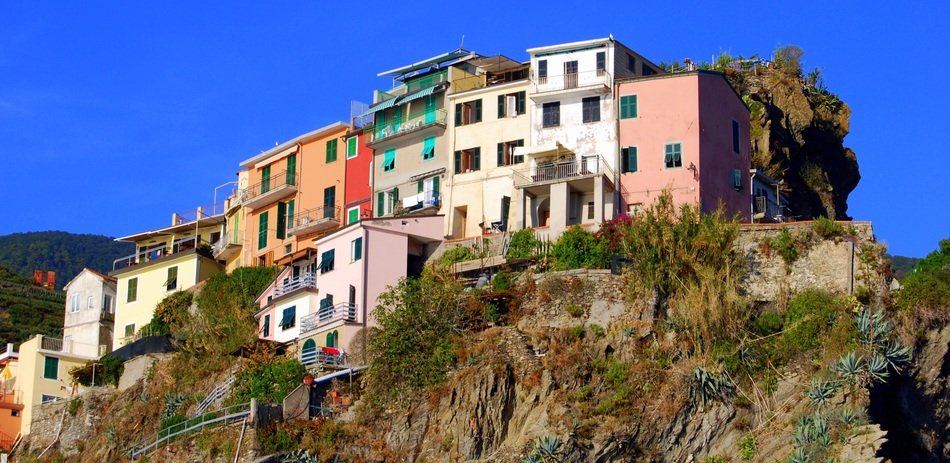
342 311
315 220
269 190
596 82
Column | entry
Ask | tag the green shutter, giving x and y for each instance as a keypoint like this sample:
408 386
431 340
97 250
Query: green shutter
353 215
266 330
331 150
395 196
358 248
458 114
133 290
628 106
380 203
262 231
458 162
501 106
478 110
520 101
632 159
265 179
281 220
351 148
292 169
419 184
290 214
477 159
51 368
501 154
435 186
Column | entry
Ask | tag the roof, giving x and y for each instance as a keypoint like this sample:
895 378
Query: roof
247 163
212 220
438 60
101 276
497 63
673 75
569 45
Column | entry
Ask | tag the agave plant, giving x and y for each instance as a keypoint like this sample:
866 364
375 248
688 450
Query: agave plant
848 367
896 355
877 368
173 402
874 327
549 447
799 456
300 456
821 391
707 387
849 417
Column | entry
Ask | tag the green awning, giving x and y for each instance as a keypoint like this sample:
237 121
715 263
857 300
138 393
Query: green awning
384 105
389 158
421 93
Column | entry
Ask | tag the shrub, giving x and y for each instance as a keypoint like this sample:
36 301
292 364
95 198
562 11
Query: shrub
925 295
576 248
747 447
267 379
810 314
768 323
224 318
456 255
73 406
107 371
597 330
616 374
575 310
522 245
827 228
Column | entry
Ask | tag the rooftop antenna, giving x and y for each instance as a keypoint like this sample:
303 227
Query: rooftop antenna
462 44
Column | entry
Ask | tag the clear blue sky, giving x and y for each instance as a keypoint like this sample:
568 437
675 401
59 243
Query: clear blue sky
113 115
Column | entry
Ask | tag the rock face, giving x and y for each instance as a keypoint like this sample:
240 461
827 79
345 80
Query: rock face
798 135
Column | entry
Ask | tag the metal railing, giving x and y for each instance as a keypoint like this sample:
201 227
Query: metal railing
305 280
414 122
425 82
218 392
428 198
572 80
563 170
319 357
51 344
214 418
225 241
273 183
185 244
325 315
311 217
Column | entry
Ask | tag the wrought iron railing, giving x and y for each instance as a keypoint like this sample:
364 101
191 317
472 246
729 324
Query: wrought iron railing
310 217
415 121
305 280
563 170
572 80
281 180
215 418
325 315
318 356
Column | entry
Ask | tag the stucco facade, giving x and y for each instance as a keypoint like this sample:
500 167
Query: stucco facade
688 134
90 311
43 374
357 195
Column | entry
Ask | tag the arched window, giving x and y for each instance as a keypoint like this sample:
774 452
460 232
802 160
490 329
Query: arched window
309 352
333 339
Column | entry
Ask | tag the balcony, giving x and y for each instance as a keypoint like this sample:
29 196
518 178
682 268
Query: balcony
185 244
269 190
226 247
766 210
422 200
587 83
325 315
315 220
553 172
68 347
325 356
415 123
306 280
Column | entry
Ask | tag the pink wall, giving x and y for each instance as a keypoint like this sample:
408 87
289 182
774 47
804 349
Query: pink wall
667 112
718 107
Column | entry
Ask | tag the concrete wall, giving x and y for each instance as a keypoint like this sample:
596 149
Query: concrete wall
91 325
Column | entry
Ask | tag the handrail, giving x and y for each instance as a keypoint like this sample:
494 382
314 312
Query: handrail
309 216
169 433
216 393
571 80
266 185
305 280
414 122
563 170
325 315
317 356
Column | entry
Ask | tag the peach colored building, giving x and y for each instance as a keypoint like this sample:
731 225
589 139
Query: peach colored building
323 296
294 192
688 133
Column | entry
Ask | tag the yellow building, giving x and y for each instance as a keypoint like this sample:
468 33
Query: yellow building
230 247
170 259
42 374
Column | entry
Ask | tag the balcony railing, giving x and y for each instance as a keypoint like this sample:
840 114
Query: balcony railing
763 208
428 198
314 220
563 170
268 189
180 245
599 80
226 246
425 82
413 123
326 315
324 356
304 281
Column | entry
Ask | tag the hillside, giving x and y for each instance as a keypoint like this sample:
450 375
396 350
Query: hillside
62 252
26 309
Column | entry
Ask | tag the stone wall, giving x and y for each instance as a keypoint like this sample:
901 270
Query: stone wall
831 264
68 426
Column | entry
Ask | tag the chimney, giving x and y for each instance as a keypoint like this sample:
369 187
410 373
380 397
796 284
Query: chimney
51 279
201 211
175 218
38 277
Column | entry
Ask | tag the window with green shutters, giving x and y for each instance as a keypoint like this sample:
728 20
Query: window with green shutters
262 231
469 160
353 215
380 204
506 153
628 106
265 179
292 169
389 160
290 215
133 290
628 159
281 220
351 148
171 282
329 202
331 150
266 330
51 368
428 148
512 104
469 112
357 251
327 261
673 155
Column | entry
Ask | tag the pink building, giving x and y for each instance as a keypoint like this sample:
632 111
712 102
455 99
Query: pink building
686 132
323 296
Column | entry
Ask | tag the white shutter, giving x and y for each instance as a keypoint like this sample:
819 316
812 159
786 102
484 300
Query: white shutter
511 106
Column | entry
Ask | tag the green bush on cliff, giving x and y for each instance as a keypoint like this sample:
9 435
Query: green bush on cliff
925 295
268 379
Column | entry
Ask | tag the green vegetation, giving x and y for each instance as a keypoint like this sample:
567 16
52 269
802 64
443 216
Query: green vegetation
64 253
224 317
902 266
456 255
523 244
925 296
576 248
267 378
26 309
827 228
107 371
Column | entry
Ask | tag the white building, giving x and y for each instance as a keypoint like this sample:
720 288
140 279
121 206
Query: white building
90 312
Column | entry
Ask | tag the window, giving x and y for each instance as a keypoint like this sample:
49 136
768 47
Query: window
737 179
428 148
469 160
673 156
511 105
469 112
129 330
591 109
289 318
172 281
385 201
551 114
46 398
285 218
590 210
356 251
329 202
351 148
74 302
291 169
90 303
634 209
214 237
107 303
570 74
601 63
262 231
14 412
353 215
628 106
51 368
331 150
506 153
326 261
133 290
429 186
265 179
389 160
265 331
543 71
628 159
735 137
631 63
646 70
288 248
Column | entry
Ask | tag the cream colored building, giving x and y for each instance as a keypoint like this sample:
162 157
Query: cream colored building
229 249
43 374
478 197
170 259
90 311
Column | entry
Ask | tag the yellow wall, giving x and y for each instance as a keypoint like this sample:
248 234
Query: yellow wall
31 385
192 268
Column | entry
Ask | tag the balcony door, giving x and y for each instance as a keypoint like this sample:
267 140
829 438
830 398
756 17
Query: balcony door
430 109
570 74
329 200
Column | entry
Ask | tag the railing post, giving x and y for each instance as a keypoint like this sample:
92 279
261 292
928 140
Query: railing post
253 412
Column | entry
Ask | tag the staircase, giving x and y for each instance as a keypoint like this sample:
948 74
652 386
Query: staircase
216 394
211 419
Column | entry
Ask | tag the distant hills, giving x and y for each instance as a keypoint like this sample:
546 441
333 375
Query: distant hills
903 265
65 253
26 309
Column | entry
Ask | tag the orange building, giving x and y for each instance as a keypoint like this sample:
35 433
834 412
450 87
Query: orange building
11 406
295 192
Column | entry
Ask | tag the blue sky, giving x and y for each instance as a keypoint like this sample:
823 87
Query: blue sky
116 114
